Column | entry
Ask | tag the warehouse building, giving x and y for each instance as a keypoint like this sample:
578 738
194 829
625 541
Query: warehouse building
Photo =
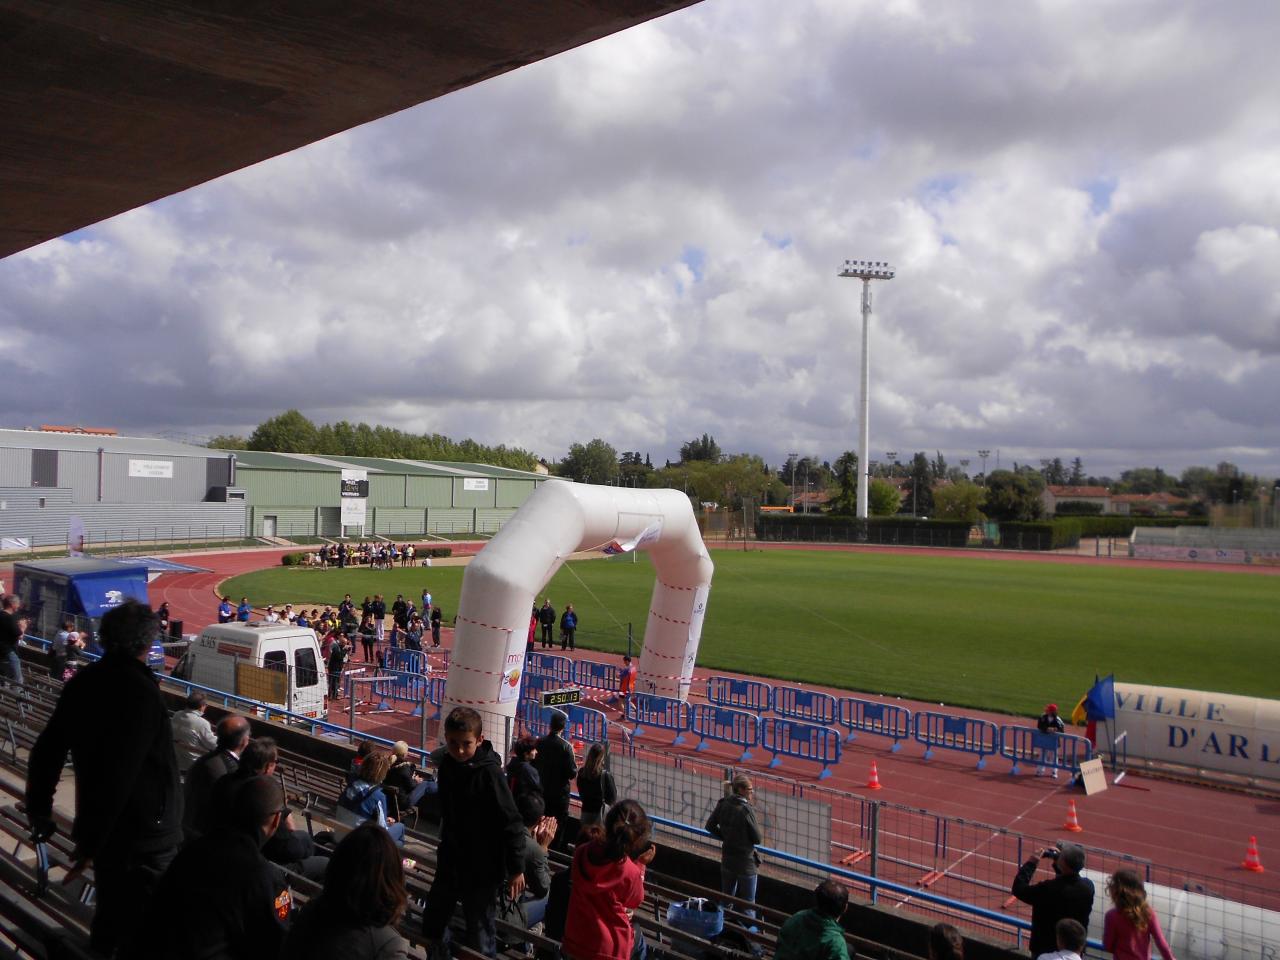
291 494
55 484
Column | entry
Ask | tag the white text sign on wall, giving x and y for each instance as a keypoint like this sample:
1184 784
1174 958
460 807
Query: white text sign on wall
160 469
475 483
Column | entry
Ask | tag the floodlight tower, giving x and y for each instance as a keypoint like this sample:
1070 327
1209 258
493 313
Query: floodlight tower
866 271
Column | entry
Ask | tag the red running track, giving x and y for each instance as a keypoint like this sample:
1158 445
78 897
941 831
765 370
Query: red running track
1200 829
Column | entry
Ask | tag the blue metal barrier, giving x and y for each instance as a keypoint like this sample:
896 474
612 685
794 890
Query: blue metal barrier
738 727
1058 751
407 688
534 719
597 676
963 734
407 661
808 741
379 691
584 724
533 685
742 694
660 713
812 706
872 716
559 669
435 695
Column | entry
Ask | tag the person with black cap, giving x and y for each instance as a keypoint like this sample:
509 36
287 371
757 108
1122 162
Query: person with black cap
1066 895
1050 724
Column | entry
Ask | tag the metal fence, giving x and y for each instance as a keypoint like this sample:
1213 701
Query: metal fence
905 857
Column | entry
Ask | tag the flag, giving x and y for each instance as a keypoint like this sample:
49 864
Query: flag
1079 715
1100 702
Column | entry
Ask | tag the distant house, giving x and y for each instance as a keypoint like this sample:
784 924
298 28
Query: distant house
1127 504
815 501
1055 494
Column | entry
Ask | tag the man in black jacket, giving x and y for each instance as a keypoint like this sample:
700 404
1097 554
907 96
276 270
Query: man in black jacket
1067 895
233 737
221 897
547 620
556 766
128 823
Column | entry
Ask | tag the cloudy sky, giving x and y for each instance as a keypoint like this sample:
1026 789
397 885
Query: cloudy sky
639 240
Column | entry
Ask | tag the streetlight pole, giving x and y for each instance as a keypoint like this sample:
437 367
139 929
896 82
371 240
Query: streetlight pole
866 271
983 454
964 466
892 457
791 460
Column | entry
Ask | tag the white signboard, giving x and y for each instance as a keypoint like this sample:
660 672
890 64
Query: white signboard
353 497
158 469
1214 731
15 543
475 483
512 668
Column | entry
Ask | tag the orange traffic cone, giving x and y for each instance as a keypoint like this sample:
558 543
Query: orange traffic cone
1073 822
1251 861
874 782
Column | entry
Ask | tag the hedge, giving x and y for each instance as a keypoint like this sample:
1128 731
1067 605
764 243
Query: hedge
1112 526
1077 508
830 528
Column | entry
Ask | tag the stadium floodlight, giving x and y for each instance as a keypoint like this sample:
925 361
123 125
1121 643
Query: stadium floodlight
983 454
866 271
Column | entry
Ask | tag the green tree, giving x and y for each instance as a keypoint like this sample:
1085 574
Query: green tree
227 441
921 490
958 501
596 462
1013 496
846 501
290 432
703 449
1077 472
1055 472
883 498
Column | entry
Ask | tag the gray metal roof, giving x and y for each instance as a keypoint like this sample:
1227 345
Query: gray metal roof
50 440
251 459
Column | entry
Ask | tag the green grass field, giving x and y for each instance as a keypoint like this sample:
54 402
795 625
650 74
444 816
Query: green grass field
994 634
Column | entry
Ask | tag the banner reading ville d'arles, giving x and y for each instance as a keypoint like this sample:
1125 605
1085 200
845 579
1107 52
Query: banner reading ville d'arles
1215 731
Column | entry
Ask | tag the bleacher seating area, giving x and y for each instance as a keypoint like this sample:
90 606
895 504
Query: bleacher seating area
43 916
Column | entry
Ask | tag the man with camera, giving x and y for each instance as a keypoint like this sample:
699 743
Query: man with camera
1065 895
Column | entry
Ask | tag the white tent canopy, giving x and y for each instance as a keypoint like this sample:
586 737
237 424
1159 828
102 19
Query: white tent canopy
502 583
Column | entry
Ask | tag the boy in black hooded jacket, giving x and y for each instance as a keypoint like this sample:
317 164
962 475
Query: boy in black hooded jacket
481 838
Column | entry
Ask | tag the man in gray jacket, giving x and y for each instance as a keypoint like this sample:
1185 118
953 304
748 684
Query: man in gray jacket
733 822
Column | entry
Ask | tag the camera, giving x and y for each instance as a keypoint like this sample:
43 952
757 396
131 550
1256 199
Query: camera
1049 853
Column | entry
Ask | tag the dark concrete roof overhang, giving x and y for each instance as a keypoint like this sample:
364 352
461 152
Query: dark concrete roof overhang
106 105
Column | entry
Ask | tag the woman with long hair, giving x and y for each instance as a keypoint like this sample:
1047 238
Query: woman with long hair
595 785
364 897
607 885
1131 926
365 801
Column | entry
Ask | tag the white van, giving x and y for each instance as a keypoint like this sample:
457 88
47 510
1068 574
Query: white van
275 663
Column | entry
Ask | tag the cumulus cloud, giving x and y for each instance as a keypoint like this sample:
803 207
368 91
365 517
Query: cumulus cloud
638 240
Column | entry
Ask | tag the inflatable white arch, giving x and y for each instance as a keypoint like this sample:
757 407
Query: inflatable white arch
502 583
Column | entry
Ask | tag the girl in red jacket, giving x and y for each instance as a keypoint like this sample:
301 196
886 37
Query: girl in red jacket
608 885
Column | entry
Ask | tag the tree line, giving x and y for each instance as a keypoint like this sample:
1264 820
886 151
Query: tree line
923 486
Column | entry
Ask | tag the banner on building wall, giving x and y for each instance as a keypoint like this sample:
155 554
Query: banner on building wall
156 469
354 497
1214 731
